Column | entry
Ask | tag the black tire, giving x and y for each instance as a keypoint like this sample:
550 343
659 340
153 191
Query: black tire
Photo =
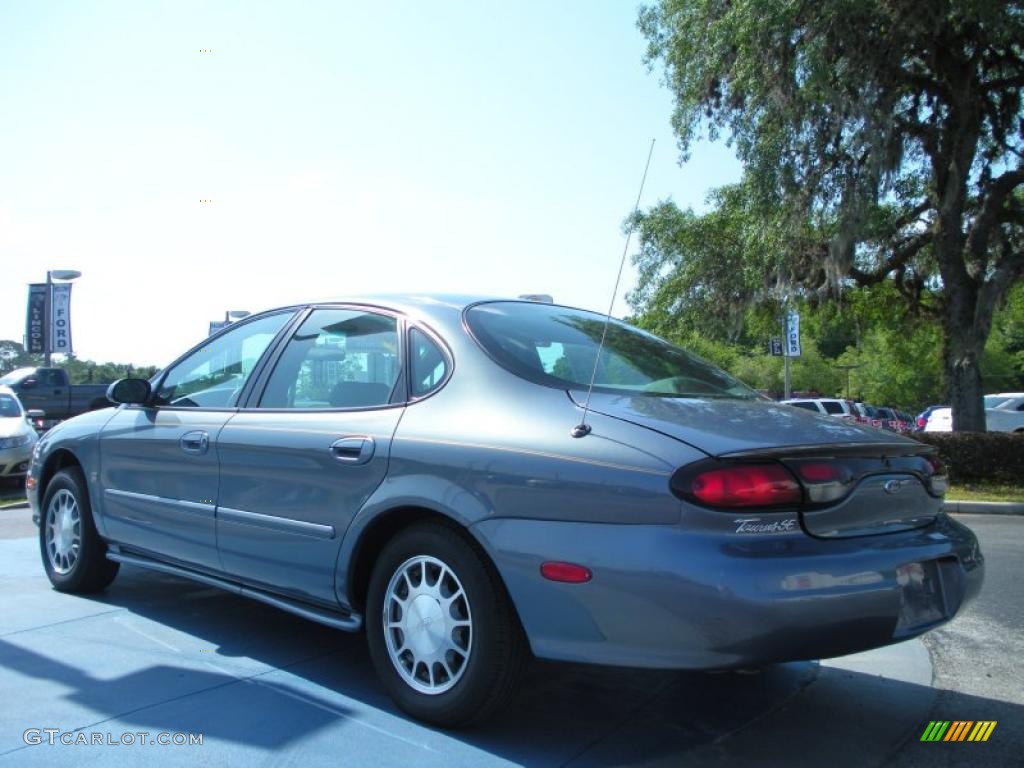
90 570
498 652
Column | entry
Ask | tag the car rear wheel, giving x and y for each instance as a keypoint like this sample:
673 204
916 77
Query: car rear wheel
443 635
74 555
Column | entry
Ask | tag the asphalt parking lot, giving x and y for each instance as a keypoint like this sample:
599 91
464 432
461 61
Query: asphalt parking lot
157 654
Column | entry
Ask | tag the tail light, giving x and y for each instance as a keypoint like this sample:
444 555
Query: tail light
938 480
824 481
797 482
741 485
921 423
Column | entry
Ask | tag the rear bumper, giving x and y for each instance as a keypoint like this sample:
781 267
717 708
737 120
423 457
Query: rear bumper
665 597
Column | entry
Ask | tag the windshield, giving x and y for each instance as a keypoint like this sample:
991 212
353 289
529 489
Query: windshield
556 346
9 406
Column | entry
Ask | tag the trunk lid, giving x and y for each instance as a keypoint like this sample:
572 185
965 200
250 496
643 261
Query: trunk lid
886 483
720 427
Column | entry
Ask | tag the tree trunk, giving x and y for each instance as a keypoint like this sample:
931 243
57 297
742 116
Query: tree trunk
963 344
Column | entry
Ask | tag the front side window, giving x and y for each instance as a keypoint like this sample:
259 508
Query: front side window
557 346
833 407
213 376
338 358
428 365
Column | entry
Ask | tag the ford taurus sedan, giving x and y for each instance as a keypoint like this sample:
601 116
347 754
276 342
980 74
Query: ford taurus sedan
433 470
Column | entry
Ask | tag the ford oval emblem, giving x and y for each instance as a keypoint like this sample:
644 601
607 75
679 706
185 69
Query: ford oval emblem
893 486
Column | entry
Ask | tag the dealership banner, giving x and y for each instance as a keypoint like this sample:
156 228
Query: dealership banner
60 319
35 322
793 334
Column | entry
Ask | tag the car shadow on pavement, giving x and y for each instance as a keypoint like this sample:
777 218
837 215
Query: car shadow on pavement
182 657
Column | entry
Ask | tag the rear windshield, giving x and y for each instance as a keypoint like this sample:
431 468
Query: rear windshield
557 346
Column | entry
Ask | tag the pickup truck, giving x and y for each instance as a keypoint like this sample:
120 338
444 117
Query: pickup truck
48 390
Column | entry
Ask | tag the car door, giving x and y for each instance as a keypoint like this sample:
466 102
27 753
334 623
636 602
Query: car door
159 469
299 462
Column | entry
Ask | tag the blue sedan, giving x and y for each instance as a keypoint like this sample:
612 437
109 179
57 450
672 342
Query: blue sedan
473 481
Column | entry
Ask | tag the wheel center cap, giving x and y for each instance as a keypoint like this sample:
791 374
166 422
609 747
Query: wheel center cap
424 625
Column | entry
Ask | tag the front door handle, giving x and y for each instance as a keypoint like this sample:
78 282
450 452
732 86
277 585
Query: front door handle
353 450
197 441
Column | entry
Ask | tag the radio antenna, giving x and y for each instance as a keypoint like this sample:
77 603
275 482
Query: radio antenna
582 429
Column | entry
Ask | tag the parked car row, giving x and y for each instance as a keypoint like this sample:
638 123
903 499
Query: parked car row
1004 412
884 417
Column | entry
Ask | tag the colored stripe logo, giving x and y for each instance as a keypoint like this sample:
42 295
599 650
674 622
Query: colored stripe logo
958 730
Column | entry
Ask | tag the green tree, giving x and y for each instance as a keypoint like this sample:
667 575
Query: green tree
884 137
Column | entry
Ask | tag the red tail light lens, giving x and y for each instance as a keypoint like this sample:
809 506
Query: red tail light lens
746 485
939 481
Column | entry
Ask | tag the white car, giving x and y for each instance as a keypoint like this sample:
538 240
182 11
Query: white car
830 406
1004 412
17 436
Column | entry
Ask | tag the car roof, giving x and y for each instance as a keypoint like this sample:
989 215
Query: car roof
442 307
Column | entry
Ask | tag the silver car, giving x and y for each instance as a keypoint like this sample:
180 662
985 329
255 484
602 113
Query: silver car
17 437
423 468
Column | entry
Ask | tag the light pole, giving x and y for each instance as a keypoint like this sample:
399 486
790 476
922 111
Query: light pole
51 275
847 367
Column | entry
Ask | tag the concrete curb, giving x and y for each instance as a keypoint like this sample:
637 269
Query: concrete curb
22 505
985 507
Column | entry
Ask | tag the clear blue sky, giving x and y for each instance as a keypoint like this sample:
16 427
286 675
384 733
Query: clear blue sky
347 148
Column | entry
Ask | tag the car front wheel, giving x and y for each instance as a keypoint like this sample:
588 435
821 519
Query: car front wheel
74 555
443 635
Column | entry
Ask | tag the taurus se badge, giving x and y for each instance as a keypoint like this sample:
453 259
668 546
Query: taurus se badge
756 525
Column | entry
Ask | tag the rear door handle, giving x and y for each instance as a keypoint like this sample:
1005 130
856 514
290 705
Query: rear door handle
197 441
353 450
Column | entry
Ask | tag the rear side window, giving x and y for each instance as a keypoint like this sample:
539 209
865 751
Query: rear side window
338 358
427 364
833 407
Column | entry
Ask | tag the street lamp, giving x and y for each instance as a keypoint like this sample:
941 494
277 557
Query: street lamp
847 367
51 275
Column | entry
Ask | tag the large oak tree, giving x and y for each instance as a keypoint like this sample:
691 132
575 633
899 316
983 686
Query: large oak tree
884 137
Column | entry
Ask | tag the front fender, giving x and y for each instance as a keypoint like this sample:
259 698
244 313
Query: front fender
77 439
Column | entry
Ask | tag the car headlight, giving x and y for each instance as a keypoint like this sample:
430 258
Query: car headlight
14 442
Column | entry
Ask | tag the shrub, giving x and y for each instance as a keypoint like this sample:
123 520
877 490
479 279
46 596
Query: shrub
979 456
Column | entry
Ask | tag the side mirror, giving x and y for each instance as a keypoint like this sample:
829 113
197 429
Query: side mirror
34 413
27 384
129 391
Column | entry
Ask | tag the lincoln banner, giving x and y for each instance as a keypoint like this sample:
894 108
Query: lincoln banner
35 322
